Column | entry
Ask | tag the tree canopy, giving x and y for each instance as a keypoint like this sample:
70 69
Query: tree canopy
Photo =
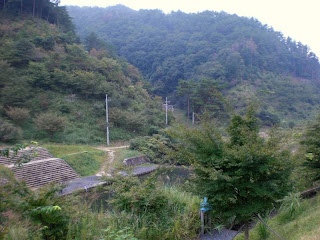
250 59
242 176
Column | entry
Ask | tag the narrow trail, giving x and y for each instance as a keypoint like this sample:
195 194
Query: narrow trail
110 150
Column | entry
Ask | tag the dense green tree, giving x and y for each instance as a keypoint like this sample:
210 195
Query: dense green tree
243 176
23 52
7 73
204 96
50 123
312 142
92 41
185 89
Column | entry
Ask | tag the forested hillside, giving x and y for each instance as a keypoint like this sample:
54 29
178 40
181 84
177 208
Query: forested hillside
246 60
54 89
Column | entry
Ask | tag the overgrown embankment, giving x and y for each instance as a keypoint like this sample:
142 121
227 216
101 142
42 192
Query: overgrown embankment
53 90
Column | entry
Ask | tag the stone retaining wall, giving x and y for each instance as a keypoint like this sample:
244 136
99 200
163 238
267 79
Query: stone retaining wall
134 161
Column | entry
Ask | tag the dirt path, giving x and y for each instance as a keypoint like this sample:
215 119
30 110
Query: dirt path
105 170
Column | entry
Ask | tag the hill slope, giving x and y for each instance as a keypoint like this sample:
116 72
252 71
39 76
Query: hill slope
251 60
45 70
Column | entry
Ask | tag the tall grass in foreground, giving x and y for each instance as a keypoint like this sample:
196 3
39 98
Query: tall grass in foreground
178 219
294 222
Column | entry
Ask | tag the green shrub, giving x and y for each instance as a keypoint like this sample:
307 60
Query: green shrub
263 231
8 132
50 123
290 206
152 211
132 196
156 147
268 118
17 114
46 43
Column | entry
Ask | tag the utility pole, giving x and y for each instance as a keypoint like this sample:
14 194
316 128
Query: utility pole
188 111
107 120
166 112
192 118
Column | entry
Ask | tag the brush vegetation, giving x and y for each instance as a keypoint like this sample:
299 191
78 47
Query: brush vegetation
57 94
302 225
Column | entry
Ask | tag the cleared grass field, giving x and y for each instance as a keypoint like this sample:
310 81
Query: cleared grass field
85 160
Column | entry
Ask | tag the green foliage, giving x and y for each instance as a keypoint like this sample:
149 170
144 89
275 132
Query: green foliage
51 218
291 206
86 164
45 9
132 196
153 212
50 123
17 114
242 176
311 143
156 147
23 52
303 226
123 153
263 231
59 76
242 131
124 234
247 58
40 213
8 132
270 119
205 97
92 41
85 160
46 43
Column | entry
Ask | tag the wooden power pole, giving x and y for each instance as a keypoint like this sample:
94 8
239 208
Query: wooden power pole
166 112
107 120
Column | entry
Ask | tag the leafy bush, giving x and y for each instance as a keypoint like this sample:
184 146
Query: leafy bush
8 132
17 114
156 147
152 211
46 43
132 196
51 123
268 118
291 206
263 231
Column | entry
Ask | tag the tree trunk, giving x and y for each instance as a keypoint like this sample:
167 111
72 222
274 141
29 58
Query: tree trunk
246 230
188 110
34 8
21 6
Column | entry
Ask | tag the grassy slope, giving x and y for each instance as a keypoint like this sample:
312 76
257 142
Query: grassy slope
123 153
84 160
305 226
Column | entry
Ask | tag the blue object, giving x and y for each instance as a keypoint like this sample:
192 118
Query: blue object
205 206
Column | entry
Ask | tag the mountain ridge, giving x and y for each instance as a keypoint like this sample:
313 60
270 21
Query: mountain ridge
236 51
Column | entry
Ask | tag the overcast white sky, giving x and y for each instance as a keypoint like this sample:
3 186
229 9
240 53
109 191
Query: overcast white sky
299 19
